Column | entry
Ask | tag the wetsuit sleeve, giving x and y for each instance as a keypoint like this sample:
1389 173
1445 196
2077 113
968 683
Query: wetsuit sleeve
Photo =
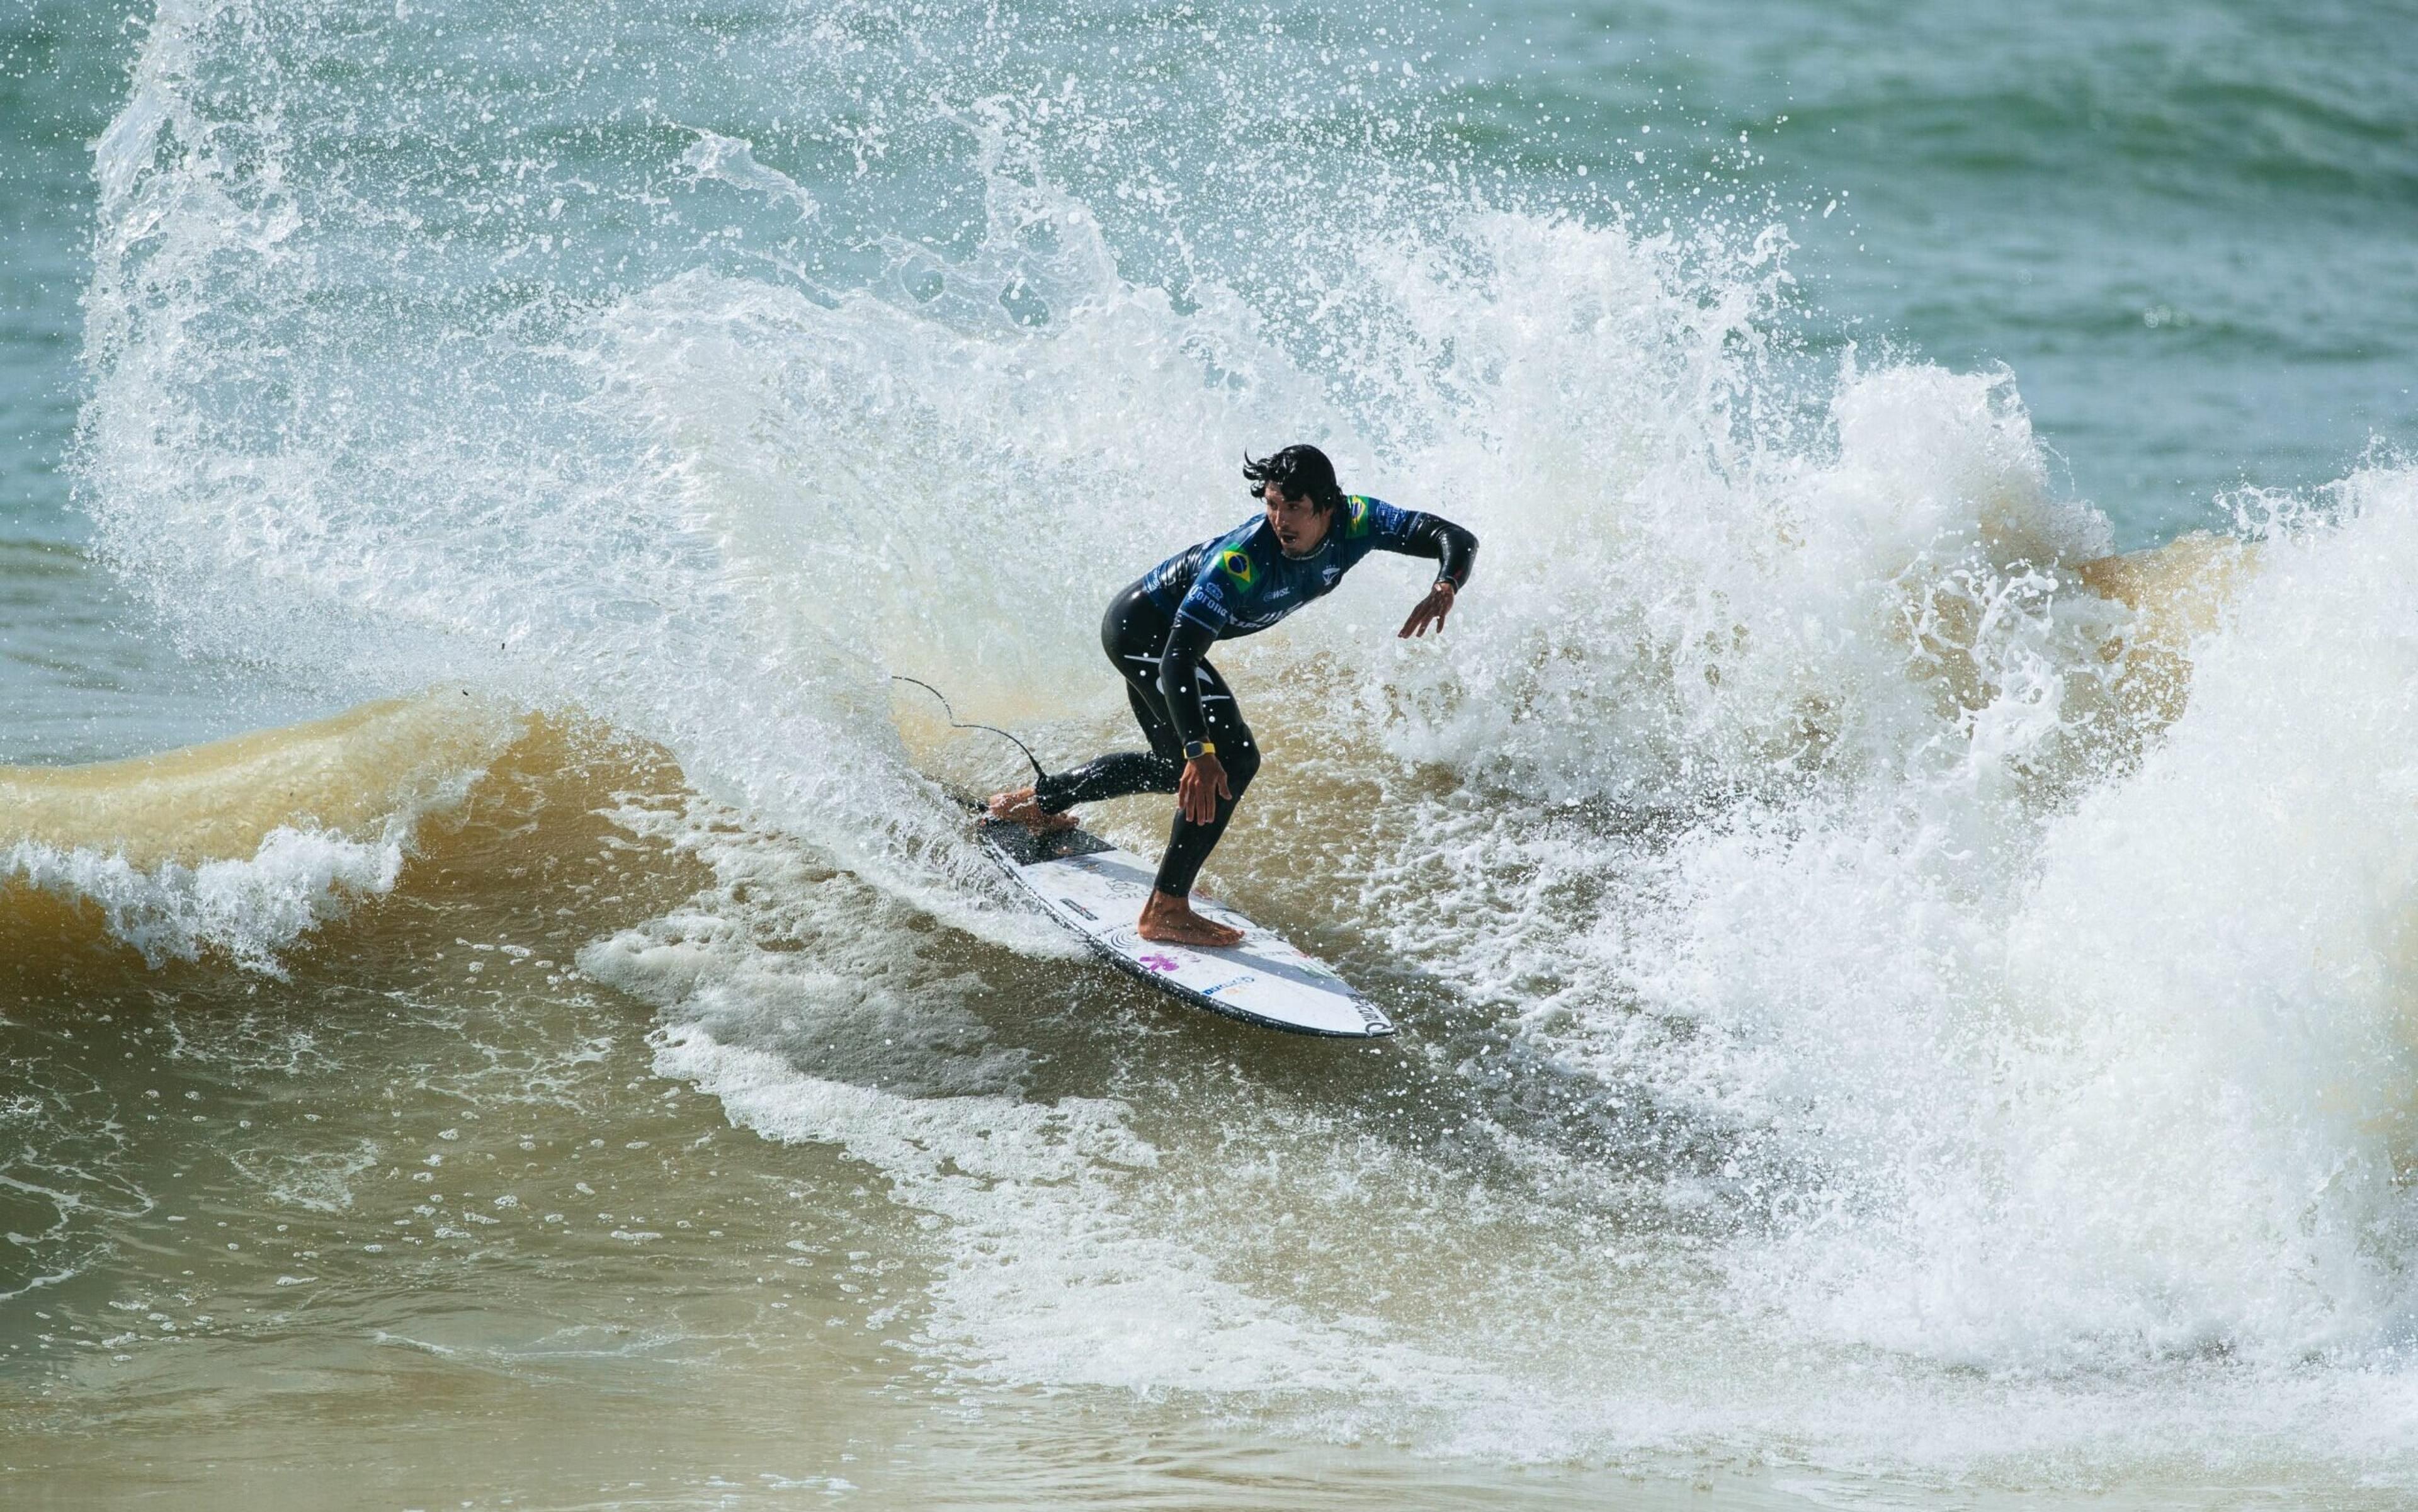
1415 534
1188 641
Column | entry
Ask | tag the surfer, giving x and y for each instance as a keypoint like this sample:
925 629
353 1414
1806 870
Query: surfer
1158 630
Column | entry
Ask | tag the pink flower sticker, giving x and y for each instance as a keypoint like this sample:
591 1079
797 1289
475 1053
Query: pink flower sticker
1159 963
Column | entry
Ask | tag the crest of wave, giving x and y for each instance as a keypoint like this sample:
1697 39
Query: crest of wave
714 513
718 510
1798 799
2117 1080
1797 791
246 908
1707 565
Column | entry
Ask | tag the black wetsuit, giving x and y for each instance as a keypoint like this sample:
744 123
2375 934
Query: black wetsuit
1159 628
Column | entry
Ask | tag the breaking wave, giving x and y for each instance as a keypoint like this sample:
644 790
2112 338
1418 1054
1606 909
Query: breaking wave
1848 915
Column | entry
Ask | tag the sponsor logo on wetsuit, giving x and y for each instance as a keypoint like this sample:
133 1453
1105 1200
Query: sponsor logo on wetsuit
1210 582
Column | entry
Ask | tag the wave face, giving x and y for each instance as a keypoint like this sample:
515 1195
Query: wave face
241 846
1846 967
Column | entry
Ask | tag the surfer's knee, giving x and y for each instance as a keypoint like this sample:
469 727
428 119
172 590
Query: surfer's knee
1241 764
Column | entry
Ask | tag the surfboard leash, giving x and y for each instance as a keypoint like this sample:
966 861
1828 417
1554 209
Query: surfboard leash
956 724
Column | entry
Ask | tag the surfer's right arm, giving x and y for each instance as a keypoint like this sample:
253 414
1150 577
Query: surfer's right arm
1417 533
1203 782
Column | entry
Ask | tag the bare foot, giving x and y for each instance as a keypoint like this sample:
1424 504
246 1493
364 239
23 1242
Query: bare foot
1020 807
1169 919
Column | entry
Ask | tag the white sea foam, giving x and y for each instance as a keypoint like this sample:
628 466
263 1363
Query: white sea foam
245 908
729 161
1046 1275
797 996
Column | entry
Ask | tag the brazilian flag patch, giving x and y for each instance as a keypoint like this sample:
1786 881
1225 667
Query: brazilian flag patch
1237 565
1357 526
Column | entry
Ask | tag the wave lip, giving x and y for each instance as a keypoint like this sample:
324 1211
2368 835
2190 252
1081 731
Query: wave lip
248 908
242 846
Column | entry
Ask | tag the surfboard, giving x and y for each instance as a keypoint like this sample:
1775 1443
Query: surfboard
1096 891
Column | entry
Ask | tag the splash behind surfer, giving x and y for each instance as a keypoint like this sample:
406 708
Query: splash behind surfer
1158 629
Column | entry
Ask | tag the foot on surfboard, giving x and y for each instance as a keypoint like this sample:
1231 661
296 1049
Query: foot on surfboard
1169 919
1019 806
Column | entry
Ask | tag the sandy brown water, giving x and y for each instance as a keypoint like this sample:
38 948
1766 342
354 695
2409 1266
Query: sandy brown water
417 1222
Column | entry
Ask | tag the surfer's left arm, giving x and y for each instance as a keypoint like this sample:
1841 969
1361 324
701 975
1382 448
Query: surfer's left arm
1453 549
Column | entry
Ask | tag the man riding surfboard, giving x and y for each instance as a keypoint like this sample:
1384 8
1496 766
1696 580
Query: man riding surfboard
1159 628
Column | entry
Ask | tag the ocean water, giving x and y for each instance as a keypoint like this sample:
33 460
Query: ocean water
1898 882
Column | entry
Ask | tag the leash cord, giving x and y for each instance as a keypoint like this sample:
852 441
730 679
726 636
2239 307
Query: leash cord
955 724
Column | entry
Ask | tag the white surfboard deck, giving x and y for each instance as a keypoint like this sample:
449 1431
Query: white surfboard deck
1098 891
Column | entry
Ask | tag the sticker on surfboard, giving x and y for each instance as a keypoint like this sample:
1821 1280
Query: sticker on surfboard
1098 891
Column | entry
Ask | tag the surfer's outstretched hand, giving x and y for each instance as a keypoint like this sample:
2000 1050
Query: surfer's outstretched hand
1198 790
1430 611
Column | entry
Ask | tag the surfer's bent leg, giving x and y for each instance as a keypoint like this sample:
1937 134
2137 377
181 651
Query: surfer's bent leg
1118 772
1132 633
1188 843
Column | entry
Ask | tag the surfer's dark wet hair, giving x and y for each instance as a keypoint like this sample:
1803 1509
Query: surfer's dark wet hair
1298 471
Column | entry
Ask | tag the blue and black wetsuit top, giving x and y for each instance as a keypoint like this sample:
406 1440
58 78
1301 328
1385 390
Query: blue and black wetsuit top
1242 582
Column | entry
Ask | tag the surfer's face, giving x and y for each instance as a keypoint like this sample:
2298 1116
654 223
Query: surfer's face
1299 525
